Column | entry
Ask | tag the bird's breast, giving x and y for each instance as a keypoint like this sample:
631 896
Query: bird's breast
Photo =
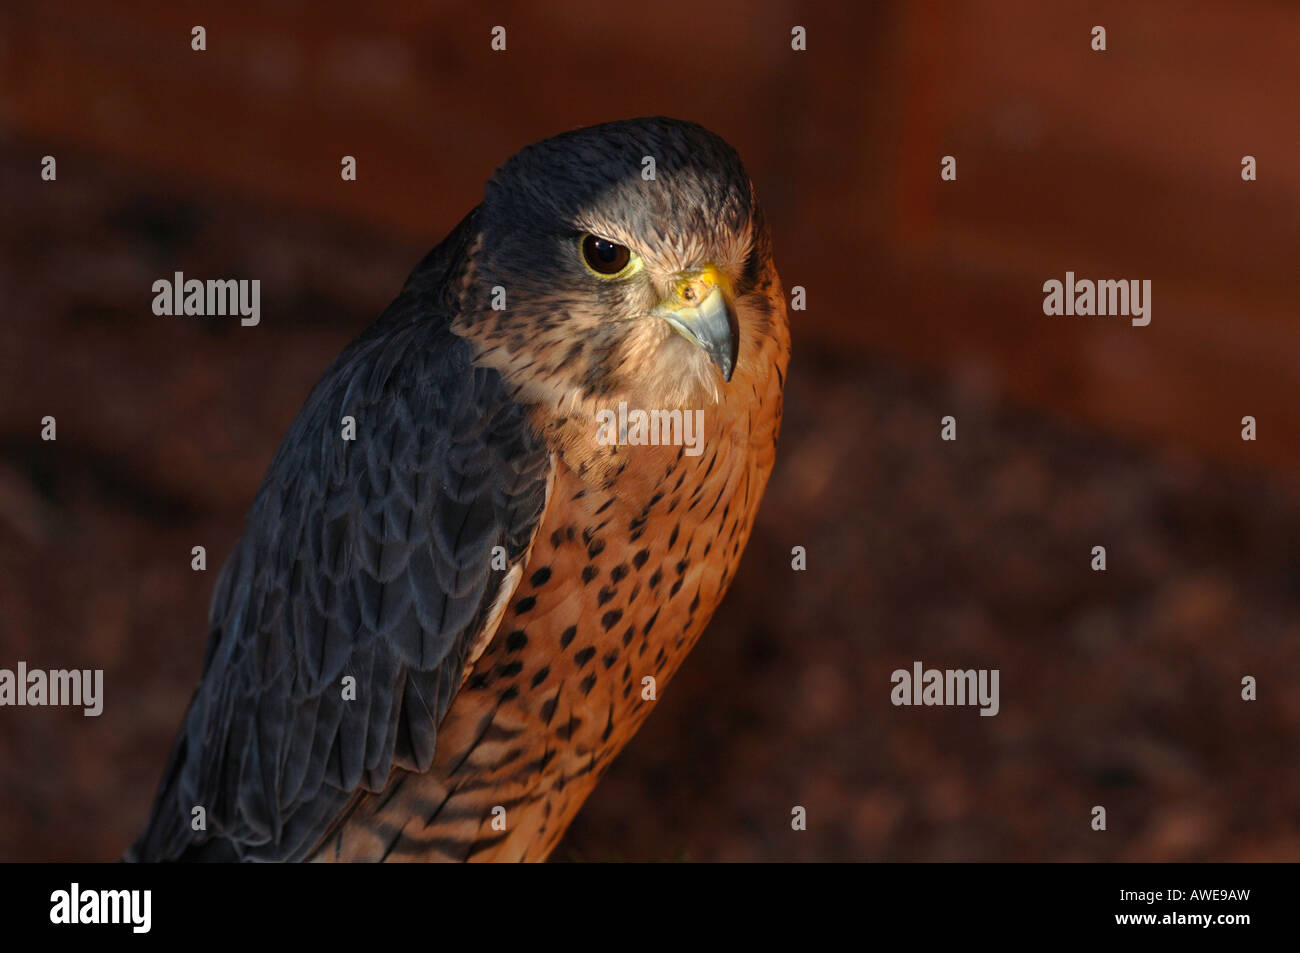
618 588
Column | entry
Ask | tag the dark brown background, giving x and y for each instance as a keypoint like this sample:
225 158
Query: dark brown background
924 297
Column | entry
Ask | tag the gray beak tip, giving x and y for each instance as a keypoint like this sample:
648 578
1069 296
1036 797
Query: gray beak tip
714 327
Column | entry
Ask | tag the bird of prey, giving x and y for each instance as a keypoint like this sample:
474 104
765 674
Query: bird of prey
433 638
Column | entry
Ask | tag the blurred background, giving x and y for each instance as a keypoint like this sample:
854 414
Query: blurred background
1119 689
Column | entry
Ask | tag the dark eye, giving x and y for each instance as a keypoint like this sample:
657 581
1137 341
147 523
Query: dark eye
603 256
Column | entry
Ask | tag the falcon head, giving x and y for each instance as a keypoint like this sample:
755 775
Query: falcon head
624 262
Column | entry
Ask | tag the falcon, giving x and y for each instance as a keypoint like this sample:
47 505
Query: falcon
457 594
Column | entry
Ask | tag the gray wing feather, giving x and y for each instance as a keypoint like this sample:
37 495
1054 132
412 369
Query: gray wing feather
369 558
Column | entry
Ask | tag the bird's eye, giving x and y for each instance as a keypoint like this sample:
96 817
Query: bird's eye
603 256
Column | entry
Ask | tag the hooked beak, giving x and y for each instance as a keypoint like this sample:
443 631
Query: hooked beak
701 309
